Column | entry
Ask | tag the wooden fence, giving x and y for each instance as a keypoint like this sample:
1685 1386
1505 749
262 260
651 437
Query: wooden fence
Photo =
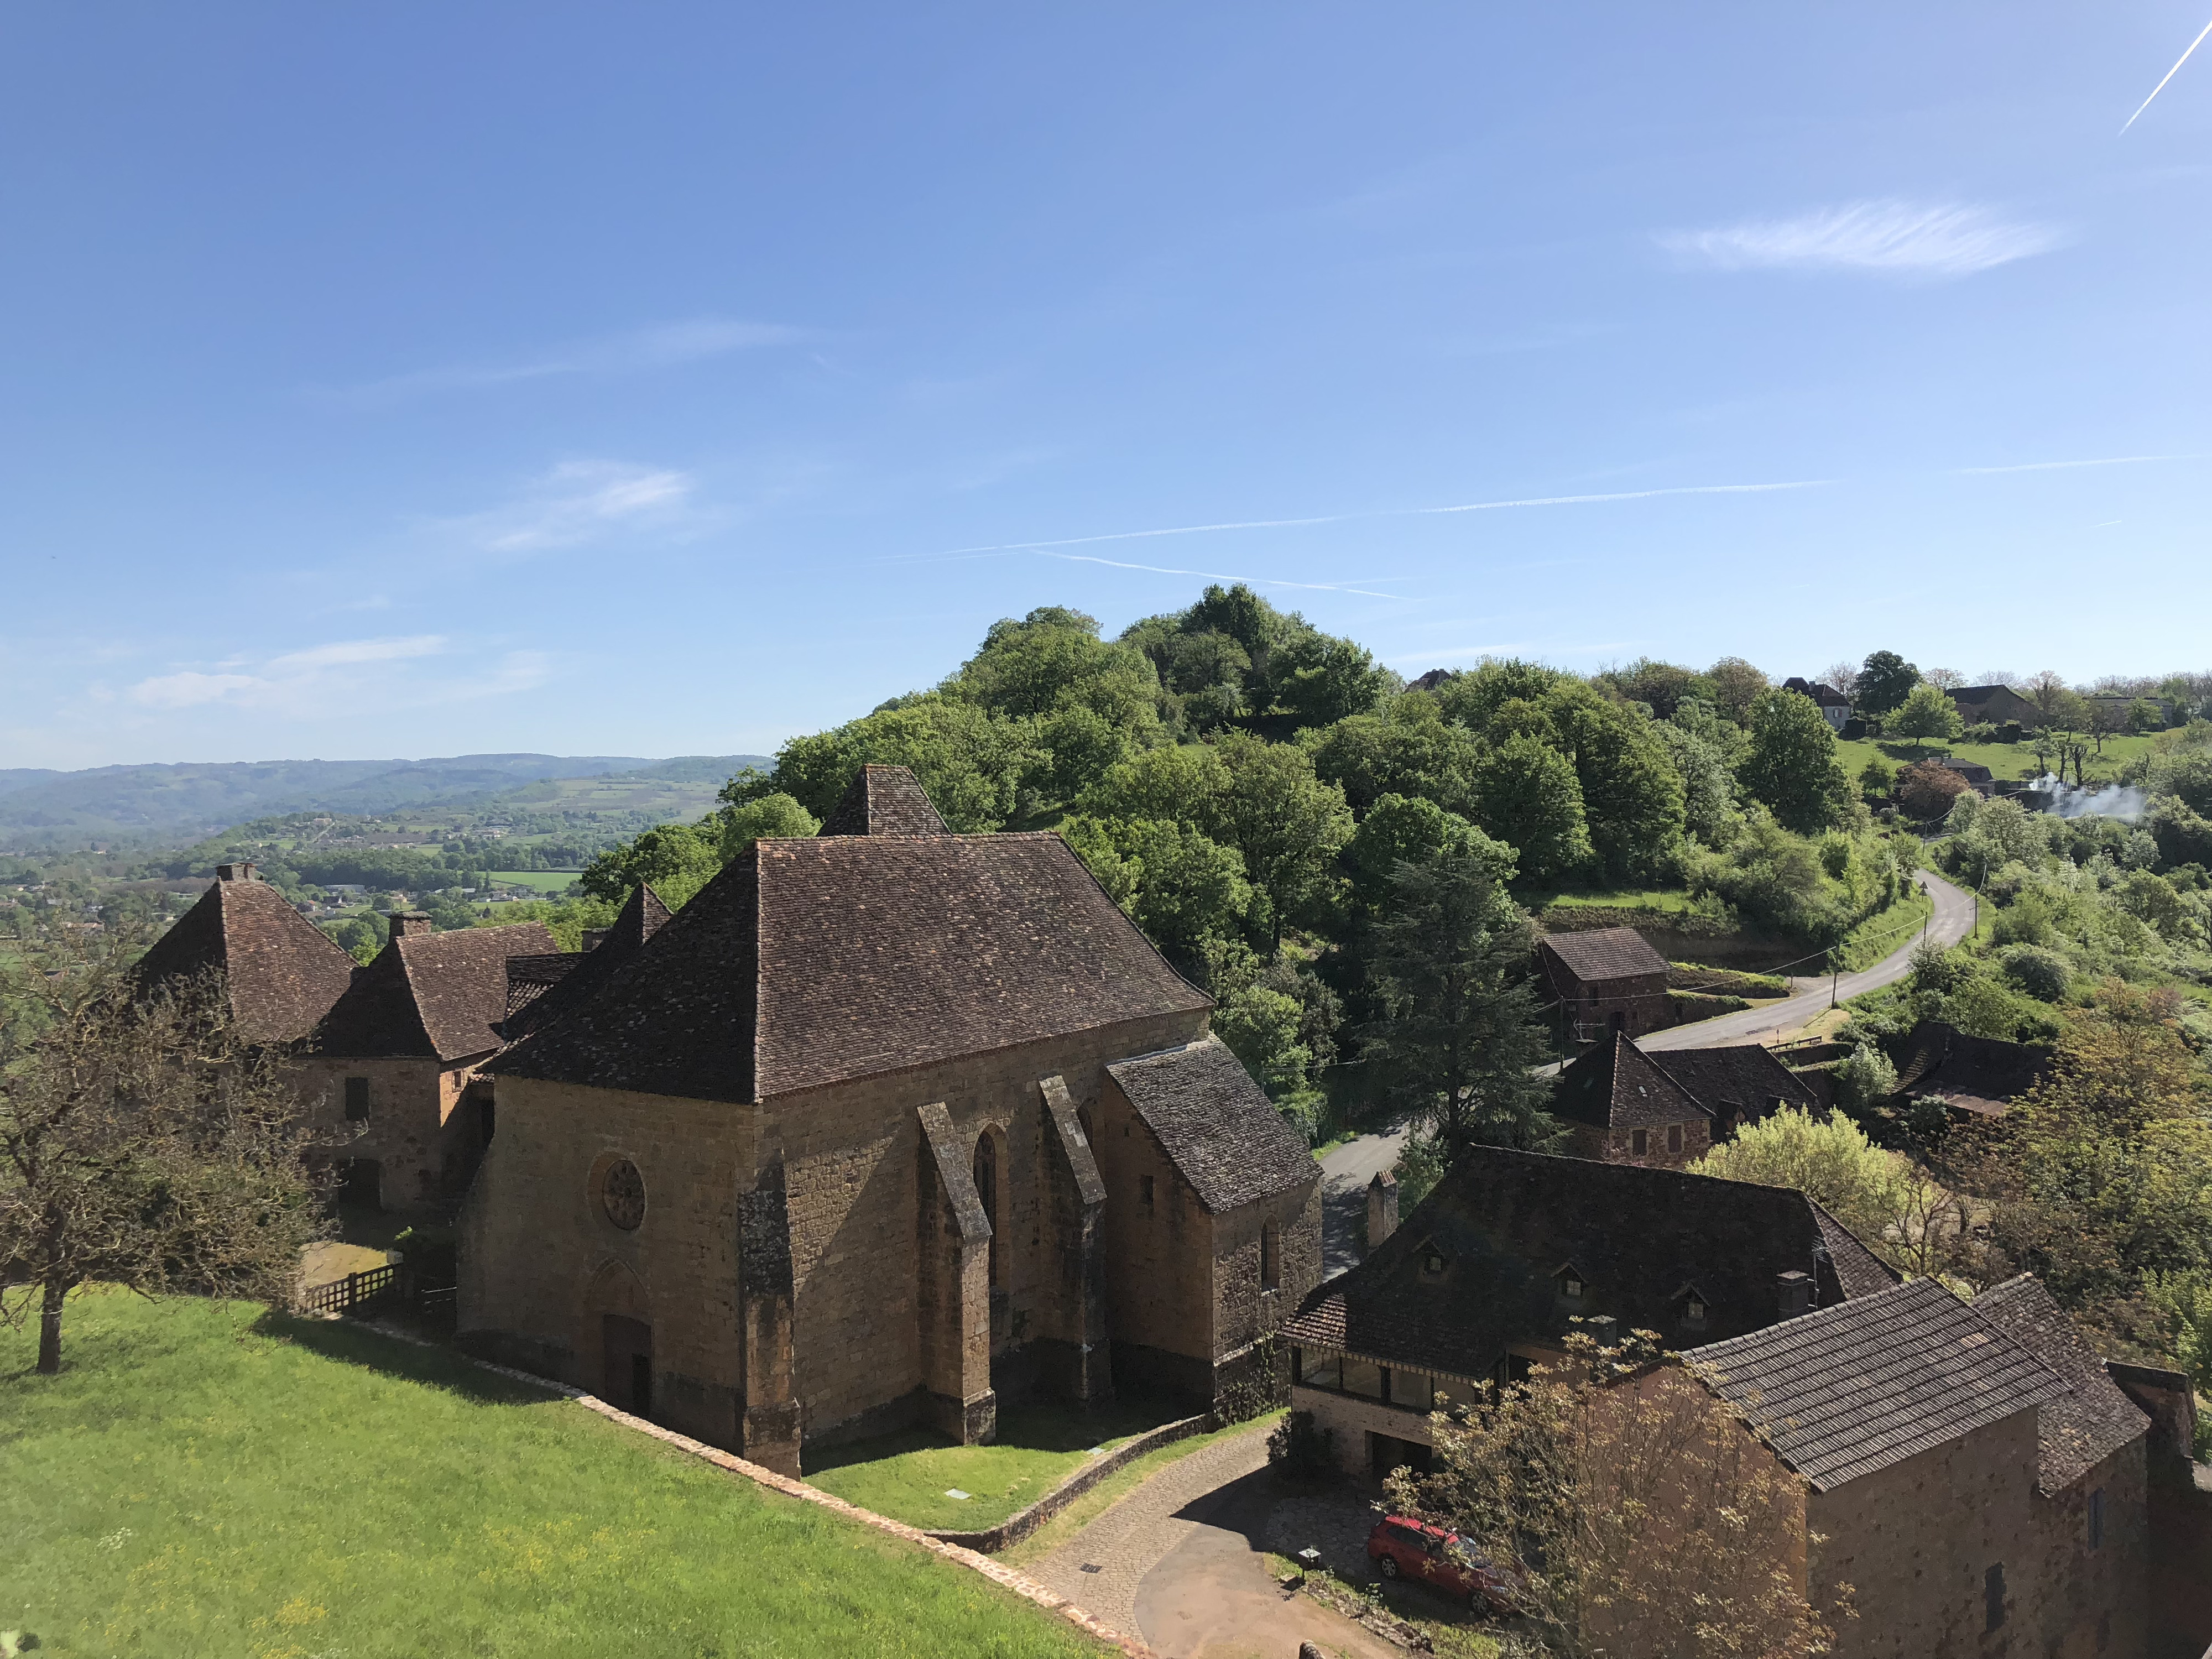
392 1283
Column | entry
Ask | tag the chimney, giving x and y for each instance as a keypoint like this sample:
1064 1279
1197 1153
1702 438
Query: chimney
1794 1291
595 937
405 924
233 873
1382 1208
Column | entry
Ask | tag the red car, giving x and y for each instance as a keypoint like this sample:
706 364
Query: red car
1402 1547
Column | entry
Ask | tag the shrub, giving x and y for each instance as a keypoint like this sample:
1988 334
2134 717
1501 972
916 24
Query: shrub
1864 1079
1299 1450
2026 920
1928 790
2042 974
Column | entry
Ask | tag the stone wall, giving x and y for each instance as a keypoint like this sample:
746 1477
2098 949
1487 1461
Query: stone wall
1350 1418
1159 1260
424 1146
1619 1145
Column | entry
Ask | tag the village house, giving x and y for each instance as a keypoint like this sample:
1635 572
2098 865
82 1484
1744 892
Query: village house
1623 1104
1979 777
1975 1078
1607 981
1994 705
1835 708
884 1126
1487 1276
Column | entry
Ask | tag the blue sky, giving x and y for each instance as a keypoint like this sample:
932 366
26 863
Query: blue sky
662 379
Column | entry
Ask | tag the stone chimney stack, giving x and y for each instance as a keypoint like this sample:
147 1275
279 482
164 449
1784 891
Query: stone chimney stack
1382 1208
594 937
1794 1292
234 872
407 923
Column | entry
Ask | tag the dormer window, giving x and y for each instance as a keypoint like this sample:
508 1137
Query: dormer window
1571 1284
1694 1311
1433 1263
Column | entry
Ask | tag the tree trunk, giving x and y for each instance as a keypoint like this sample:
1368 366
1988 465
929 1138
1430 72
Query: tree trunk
50 1327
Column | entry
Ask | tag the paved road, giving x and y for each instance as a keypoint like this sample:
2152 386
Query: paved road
1808 998
1345 1172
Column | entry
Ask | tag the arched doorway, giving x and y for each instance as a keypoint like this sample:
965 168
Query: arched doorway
618 1336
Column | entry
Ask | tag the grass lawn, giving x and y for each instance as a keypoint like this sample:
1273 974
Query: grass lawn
203 1480
543 881
2004 760
1624 898
906 1476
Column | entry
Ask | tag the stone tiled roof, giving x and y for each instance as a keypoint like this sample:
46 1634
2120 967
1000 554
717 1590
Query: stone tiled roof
1215 1124
808 962
1507 1223
1859 1271
1604 953
282 972
1742 1080
2095 1420
437 995
1976 1074
885 800
1849 1390
1617 1086
1819 690
539 988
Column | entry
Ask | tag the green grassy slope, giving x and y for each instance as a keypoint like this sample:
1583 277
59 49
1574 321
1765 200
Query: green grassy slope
203 1480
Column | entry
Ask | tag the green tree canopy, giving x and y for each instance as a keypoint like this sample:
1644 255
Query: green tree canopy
1926 716
1885 679
1185 890
1407 748
1528 797
1288 825
677 859
1631 794
970 760
1790 763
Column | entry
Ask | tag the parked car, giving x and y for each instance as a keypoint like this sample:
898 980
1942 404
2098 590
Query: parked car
1402 1547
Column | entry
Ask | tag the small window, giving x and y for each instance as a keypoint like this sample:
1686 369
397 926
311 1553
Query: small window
356 1100
2097 1519
1571 1285
1638 1142
1144 1191
1433 1263
1993 1598
1270 1256
1364 1377
1674 1137
1694 1311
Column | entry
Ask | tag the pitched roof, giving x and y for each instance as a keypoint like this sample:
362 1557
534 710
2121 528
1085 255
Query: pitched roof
1819 690
1976 1074
1616 1086
538 989
1641 1239
1743 1081
438 995
1215 1124
1853 1388
2095 1420
283 973
1605 953
808 963
885 800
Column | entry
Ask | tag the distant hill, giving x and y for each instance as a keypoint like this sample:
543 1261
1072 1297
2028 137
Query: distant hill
174 805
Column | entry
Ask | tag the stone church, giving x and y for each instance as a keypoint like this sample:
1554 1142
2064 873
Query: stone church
885 1126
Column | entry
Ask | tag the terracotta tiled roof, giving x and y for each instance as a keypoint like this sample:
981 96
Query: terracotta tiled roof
1617 1086
1976 1074
808 962
1215 1124
1605 953
538 989
2095 1420
885 800
1848 1390
282 971
1507 1223
440 995
1743 1081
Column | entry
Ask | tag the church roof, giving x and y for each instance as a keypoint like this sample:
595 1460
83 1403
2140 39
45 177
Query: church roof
1605 953
539 988
811 962
282 972
437 995
1506 1225
1216 1124
2095 1420
885 800
1851 1390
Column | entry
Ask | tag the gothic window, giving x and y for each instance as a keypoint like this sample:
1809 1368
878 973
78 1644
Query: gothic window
986 1189
621 1194
1270 1256
356 1100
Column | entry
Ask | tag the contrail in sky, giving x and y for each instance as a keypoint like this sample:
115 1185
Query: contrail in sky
2170 74
1215 575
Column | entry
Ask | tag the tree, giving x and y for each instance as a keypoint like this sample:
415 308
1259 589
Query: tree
1642 1514
771 816
2145 716
1830 1160
1736 685
1708 803
1843 676
677 859
1945 680
143 1141
1526 795
1884 682
1791 764
1927 790
1053 660
1926 716
1399 830
1459 1030
1876 779
1288 825
971 760
1409 748
1182 890
1631 794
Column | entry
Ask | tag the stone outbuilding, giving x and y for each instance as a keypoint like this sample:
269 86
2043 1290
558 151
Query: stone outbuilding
1608 980
884 1126
1487 1276
1623 1103
1975 1078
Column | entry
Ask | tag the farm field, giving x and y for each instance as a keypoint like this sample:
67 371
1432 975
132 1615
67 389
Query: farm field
543 881
205 1479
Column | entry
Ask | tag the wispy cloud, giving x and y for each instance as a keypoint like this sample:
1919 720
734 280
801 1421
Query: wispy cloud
2056 466
577 502
1892 237
657 347
324 677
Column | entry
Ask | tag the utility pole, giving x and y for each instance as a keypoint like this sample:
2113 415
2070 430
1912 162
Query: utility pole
1835 975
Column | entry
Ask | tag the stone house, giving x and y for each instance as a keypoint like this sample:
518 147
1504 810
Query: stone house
1835 708
1994 705
1608 980
281 972
1975 1078
1625 1105
1970 1469
1486 1276
885 1125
